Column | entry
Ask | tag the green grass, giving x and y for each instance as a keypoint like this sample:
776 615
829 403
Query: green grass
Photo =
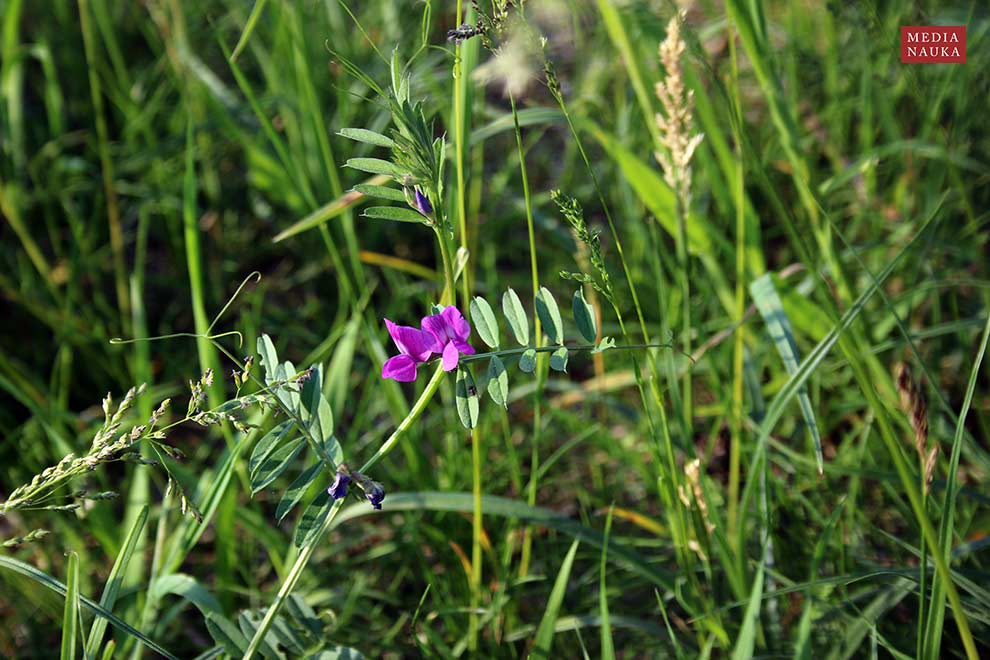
182 174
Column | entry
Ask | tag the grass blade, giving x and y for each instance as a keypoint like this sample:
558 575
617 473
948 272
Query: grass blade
46 580
252 21
70 619
509 508
746 641
608 648
544 636
114 580
936 615
779 327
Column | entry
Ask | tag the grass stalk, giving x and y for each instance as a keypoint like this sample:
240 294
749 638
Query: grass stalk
106 163
738 356
534 460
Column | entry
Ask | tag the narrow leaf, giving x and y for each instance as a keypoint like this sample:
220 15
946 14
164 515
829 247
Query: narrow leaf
226 634
626 555
186 586
584 316
549 314
779 326
297 490
315 410
394 213
276 464
330 210
366 136
374 166
746 641
259 6
544 636
515 314
114 580
498 381
312 519
70 617
267 445
269 357
46 580
484 322
381 192
608 649
466 398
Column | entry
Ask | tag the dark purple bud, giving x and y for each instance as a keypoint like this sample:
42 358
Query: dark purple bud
422 203
338 488
375 495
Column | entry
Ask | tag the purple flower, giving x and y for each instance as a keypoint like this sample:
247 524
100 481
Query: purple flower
375 495
415 346
338 488
450 332
422 203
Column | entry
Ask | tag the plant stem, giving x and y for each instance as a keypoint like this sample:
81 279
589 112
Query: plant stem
735 449
295 572
534 462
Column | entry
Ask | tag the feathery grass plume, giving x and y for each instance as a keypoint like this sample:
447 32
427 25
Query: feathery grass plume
574 214
675 122
916 408
111 443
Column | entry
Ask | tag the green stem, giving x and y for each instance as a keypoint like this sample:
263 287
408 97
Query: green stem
449 294
554 347
534 462
735 449
295 572
459 93
476 528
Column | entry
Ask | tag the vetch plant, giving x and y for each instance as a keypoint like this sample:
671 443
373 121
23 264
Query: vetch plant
444 334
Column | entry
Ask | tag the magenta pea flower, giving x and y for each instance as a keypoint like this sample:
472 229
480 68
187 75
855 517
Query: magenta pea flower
451 332
415 347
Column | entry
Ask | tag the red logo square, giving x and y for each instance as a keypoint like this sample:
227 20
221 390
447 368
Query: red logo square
933 44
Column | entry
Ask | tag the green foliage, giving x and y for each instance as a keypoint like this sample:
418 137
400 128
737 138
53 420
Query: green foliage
619 496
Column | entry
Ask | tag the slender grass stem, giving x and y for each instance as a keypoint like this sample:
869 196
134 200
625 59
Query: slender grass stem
738 356
460 93
534 461
106 163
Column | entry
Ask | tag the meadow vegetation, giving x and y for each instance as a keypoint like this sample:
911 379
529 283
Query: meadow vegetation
556 328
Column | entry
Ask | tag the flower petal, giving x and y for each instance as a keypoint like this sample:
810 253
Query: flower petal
422 203
436 328
410 341
463 347
376 495
338 488
460 329
401 368
450 357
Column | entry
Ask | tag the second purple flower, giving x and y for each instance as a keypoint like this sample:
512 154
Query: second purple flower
451 332
445 334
